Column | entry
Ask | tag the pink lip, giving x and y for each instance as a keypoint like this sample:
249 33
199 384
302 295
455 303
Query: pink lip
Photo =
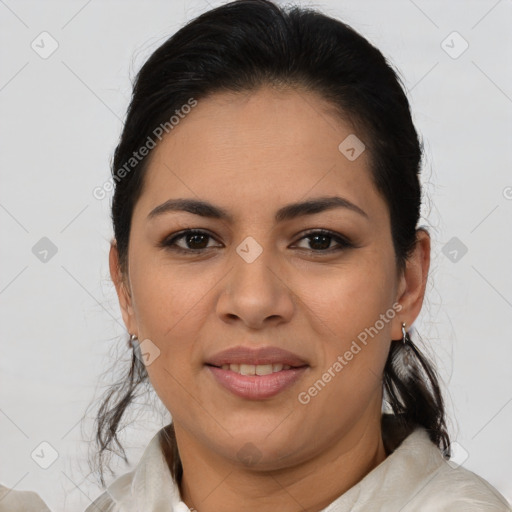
264 355
256 387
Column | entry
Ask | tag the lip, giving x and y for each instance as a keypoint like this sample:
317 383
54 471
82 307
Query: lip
256 387
262 355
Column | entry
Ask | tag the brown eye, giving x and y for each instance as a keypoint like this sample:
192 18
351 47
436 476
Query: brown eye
320 241
194 241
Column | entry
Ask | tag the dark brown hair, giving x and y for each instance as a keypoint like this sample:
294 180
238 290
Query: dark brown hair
238 47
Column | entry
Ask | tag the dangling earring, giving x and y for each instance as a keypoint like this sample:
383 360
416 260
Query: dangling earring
406 346
132 340
405 336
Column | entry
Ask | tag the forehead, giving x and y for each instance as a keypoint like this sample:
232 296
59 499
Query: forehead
262 147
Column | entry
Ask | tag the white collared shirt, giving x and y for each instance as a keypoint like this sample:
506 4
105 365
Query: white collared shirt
415 477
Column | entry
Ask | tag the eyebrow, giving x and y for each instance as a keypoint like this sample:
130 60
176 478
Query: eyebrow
288 212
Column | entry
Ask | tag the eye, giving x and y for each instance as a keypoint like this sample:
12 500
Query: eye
195 241
321 239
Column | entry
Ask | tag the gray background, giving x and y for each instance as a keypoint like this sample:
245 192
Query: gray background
61 119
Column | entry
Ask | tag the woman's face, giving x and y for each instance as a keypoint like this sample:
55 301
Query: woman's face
250 280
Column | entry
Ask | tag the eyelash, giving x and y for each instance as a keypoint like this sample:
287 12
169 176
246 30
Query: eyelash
170 241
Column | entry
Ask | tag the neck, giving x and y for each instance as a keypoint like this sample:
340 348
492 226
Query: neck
211 483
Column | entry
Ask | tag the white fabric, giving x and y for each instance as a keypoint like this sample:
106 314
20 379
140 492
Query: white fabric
415 477
12 500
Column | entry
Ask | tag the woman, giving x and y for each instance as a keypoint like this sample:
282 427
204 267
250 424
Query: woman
268 266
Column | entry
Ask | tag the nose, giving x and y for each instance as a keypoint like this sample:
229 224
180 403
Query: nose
255 293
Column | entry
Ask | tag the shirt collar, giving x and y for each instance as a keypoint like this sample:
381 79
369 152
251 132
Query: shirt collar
150 486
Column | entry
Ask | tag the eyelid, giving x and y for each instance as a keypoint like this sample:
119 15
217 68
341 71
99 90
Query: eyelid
325 232
177 235
169 242
342 241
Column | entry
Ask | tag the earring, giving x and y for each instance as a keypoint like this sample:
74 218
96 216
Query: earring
132 340
405 336
406 345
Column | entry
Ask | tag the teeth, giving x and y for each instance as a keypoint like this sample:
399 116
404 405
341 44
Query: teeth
258 369
263 369
247 369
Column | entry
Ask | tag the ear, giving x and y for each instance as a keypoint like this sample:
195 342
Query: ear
413 282
121 283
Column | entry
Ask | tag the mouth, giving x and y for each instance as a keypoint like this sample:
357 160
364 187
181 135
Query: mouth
262 359
256 369
256 374
253 386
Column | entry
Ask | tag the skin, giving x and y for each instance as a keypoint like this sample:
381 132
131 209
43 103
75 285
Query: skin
252 154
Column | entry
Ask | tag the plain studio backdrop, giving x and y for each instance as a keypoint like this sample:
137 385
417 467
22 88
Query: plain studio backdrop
65 79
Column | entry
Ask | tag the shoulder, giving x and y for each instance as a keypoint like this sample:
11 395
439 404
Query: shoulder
458 490
445 486
12 500
416 477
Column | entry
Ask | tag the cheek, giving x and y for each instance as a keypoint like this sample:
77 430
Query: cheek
353 344
352 312
170 307
344 301
164 299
